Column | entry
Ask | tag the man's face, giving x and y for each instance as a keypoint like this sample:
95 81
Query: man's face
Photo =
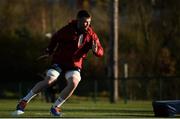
84 23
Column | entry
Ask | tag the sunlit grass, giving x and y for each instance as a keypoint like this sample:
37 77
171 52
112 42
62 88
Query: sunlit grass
82 108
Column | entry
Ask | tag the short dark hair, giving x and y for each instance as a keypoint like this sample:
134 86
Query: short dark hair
83 13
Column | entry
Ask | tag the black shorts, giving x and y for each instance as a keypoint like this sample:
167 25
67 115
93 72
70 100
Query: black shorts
59 69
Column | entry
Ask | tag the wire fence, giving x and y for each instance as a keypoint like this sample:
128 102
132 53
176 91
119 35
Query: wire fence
132 88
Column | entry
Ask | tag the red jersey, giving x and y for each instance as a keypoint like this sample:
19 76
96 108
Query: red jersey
69 47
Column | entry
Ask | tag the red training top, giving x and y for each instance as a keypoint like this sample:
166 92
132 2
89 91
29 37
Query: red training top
69 47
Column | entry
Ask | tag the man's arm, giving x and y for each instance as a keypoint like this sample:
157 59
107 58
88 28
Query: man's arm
50 49
96 46
53 43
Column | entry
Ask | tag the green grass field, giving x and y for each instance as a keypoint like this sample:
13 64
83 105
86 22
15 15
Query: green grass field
82 108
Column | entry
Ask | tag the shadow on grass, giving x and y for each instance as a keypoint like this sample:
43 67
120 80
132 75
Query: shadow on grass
115 112
100 112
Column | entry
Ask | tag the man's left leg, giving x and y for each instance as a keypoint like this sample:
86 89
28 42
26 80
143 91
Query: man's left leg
73 78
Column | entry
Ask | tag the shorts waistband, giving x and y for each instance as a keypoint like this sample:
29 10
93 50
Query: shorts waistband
58 68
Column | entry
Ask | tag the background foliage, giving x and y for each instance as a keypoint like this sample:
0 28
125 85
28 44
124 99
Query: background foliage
148 43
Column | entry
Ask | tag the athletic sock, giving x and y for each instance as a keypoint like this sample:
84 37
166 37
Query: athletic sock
59 102
29 96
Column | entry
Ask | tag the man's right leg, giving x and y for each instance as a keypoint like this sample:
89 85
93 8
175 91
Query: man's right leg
38 88
50 78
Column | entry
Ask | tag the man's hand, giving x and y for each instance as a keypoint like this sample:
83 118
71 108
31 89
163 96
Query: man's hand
94 46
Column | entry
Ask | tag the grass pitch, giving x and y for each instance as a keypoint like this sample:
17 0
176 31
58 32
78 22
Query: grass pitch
82 108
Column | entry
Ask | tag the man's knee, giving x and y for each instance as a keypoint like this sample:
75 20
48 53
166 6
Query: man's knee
73 78
73 74
73 82
51 76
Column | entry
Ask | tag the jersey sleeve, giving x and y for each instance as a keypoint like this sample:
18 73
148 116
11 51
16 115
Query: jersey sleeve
100 50
53 42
